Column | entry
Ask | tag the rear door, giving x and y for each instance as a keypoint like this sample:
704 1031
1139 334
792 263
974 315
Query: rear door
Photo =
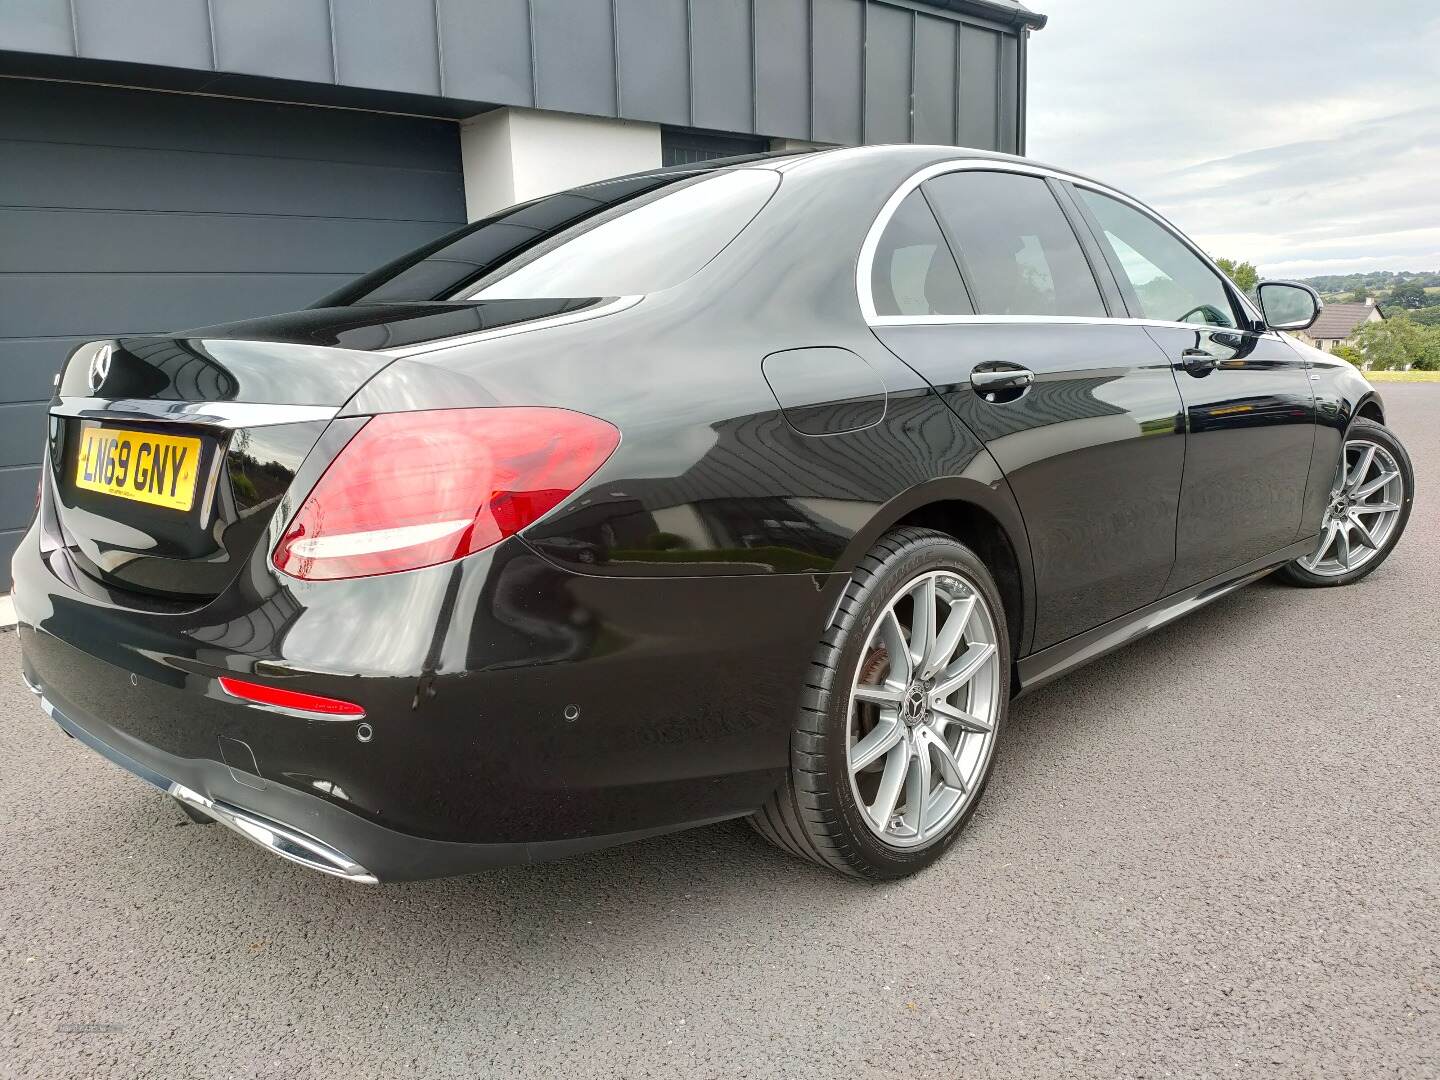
1079 409
1249 407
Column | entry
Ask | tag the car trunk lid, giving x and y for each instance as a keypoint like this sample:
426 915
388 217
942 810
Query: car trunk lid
168 456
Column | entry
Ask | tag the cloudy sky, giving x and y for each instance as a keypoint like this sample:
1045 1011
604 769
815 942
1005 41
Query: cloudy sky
1303 135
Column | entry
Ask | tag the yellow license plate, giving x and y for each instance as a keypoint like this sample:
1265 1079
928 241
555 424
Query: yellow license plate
149 468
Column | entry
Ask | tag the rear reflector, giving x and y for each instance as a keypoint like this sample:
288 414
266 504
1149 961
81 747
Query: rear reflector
288 699
421 488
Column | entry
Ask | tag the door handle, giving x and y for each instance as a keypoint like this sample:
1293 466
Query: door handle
1197 362
994 380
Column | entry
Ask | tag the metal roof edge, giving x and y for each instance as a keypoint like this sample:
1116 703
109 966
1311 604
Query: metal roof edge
1007 11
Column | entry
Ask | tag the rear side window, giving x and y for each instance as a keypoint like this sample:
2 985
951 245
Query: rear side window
914 272
1171 282
641 247
1018 252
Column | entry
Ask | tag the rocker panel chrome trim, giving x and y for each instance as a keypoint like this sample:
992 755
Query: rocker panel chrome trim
1050 663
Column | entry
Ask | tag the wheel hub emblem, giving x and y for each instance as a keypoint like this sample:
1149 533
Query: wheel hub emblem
914 705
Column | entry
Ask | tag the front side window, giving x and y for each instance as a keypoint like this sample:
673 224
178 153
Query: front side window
913 272
1015 245
1171 282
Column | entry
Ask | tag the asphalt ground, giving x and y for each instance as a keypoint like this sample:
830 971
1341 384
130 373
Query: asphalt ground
1214 853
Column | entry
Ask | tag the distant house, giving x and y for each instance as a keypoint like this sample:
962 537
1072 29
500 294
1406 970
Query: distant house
1338 323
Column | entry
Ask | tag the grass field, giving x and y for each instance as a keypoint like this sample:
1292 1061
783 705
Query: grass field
1403 376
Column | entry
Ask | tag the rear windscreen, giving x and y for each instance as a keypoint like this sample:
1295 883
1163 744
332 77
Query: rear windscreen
619 237
642 247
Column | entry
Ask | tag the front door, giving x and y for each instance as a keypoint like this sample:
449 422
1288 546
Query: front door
1249 408
1080 410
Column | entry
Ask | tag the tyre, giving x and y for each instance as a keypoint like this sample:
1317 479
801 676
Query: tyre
896 732
1369 507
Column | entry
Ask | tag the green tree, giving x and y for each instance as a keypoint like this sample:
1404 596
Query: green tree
1428 356
1350 353
1408 294
1399 342
1244 274
1356 295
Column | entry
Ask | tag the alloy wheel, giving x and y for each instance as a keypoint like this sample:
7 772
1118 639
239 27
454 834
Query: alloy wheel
1363 510
923 709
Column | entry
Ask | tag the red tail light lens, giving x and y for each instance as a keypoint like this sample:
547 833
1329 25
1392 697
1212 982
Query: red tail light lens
421 488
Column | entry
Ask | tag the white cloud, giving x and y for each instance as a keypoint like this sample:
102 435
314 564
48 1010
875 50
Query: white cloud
1305 138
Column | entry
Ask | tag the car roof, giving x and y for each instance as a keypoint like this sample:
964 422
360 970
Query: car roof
907 158
918 155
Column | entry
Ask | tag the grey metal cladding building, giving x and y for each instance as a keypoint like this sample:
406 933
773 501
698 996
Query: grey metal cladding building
172 163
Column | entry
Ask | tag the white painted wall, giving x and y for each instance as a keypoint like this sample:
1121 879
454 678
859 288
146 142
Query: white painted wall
485 163
511 155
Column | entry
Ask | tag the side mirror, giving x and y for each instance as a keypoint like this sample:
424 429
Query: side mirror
1289 305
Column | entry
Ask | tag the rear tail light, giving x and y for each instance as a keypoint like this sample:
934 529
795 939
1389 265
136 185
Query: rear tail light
421 488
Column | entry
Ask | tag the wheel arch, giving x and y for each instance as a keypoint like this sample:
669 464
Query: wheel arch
982 516
1371 407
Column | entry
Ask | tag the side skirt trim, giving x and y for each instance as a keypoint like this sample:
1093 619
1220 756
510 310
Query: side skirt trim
1050 663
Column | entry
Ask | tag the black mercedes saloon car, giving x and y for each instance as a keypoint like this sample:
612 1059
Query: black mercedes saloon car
755 488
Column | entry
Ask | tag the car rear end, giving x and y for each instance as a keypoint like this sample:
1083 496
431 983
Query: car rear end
280 570
243 599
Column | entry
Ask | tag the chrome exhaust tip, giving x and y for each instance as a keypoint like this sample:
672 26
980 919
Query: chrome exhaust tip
274 836
288 843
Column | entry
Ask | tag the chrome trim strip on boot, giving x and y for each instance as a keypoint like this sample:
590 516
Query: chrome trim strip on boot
226 415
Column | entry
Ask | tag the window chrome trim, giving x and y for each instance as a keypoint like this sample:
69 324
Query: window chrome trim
619 303
1083 320
864 264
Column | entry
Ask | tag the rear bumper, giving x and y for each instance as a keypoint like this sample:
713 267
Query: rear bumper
301 828
520 712
276 836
